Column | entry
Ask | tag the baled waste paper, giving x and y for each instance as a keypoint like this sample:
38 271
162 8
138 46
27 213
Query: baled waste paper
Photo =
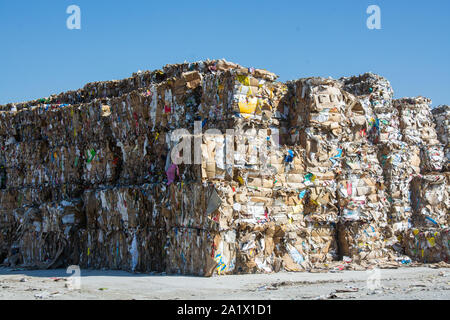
212 168
441 117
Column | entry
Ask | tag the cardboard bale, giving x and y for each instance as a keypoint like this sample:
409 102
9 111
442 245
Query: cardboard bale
35 196
8 226
432 158
314 243
322 155
139 80
427 245
362 241
431 201
362 198
153 206
224 253
361 189
318 103
320 203
400 166
416 121
192 206
47 235
189 251
109 250
441 117
100 163
141 249
375 94
122 208
257 99
24 162
258 248
62 165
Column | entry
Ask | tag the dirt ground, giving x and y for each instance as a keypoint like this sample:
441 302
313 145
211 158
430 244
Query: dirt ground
402 283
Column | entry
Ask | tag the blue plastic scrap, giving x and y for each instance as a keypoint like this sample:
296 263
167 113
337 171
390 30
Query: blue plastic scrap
290 156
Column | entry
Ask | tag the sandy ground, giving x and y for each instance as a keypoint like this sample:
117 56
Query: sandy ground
403 283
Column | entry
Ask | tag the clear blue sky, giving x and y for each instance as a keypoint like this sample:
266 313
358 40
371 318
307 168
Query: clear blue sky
40 56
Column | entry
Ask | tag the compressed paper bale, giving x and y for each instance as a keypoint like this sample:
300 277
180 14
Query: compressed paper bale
156 206
258 99
216 92
316 243
47 236
251 253
369 84
362 198
416 121
120 208
131 250
188 251
225 252
361 241
441 117
62 165
322 156
432 158
112 213
430 201
188 205
107 250
115 88
361 158
401 162
315 98
259 248
8 227
41 250
320 203
98 163
132 161
65 214
25 154
427 245
321 106
8 199
132 115
361 187
375 94
35 196
150 245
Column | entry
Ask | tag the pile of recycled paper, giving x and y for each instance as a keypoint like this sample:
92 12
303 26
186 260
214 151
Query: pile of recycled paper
212 168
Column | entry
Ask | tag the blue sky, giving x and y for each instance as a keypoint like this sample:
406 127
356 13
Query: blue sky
40 56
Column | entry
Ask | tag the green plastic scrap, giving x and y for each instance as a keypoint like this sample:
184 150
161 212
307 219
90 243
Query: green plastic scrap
91 154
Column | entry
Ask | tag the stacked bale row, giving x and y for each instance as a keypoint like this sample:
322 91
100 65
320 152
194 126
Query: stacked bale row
212 167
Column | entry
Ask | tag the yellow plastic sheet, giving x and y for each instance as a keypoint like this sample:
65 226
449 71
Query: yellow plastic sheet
248 106
245 80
